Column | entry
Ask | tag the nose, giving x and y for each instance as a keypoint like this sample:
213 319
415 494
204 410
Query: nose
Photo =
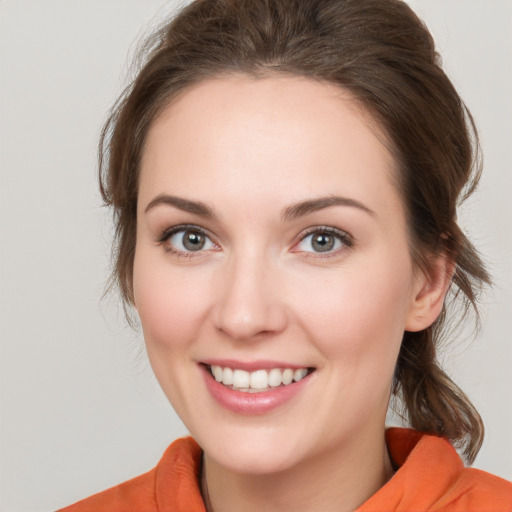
250 301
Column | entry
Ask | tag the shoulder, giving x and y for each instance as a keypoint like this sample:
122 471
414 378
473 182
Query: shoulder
432 477
456 488
137 493
476 490
177 469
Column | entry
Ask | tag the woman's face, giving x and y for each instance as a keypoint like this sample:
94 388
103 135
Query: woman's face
272 246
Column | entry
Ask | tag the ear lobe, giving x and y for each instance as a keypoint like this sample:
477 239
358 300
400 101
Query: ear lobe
428 297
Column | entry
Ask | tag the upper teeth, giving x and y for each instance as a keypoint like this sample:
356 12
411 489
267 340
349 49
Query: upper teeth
259 379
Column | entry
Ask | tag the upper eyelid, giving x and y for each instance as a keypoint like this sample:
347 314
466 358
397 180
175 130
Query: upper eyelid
167 233
325 229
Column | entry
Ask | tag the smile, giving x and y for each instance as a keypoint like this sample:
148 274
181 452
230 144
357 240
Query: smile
257 381
255 388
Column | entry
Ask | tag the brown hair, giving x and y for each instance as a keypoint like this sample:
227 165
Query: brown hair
383 54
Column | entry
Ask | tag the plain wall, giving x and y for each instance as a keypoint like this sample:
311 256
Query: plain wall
80 410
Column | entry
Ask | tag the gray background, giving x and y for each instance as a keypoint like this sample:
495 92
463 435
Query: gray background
80 410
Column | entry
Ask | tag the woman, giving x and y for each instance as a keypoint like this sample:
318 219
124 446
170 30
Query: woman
284 176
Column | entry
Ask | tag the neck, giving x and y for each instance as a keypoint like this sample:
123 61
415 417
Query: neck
338 480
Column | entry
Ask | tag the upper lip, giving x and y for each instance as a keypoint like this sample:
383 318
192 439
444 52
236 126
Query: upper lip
250 366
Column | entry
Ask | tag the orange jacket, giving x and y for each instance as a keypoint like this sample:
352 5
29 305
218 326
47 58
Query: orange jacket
431 477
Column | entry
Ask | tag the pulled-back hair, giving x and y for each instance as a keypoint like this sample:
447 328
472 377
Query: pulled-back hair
383 54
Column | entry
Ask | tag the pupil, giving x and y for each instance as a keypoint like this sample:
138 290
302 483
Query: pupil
323 243
193 241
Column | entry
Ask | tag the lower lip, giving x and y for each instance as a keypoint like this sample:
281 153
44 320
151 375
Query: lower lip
252 403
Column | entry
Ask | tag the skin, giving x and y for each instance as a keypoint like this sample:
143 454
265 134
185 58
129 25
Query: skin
249 149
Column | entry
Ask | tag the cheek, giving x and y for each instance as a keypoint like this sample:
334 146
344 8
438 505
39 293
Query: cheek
358 315
169 303
171 310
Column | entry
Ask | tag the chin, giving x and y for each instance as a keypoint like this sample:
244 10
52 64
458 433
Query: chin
255 462
257 453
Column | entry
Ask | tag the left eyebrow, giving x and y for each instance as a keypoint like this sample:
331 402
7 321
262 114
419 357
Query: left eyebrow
313 205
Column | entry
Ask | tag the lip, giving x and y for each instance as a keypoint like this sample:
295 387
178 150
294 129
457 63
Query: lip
252 403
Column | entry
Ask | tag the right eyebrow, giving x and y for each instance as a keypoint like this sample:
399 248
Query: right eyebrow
195 207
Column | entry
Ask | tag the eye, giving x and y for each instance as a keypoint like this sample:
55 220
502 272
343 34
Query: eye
324 240
184 239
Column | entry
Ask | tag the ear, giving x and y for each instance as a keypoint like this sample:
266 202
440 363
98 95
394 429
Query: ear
430 289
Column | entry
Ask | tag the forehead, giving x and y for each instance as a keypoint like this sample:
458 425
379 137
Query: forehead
236 132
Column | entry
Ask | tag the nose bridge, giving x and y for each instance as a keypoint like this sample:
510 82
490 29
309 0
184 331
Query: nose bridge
249 303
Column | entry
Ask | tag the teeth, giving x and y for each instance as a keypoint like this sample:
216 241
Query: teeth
275 377
259 379
227 376
252 382
299 374
240 379
287 376
217 373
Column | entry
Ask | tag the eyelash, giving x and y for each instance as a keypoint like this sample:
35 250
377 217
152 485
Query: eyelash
343 237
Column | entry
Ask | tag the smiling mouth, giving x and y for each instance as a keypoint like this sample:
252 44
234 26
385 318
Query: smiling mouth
257 381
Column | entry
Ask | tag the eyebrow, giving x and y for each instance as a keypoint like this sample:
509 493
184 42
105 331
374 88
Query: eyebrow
195 207
291 212
313 205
